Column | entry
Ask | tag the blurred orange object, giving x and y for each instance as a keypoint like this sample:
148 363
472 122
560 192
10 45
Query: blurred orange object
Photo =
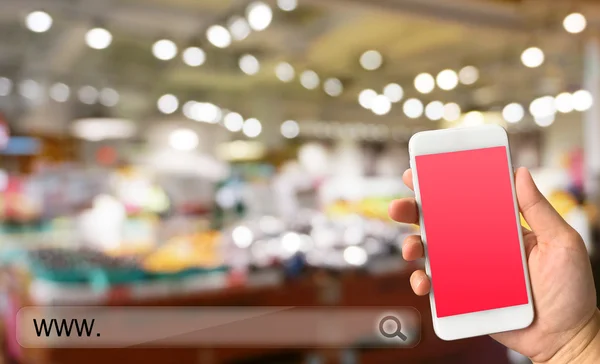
183 252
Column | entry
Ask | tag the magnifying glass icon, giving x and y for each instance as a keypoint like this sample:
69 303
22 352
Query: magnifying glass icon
395 333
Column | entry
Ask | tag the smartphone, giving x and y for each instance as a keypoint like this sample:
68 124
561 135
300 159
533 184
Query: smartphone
471 230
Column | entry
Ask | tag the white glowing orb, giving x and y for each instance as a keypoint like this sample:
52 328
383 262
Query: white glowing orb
167 104
513 113
413 108
290 129
447 80
252 128
194 56
309 79
468 75
366 97
242 237
38 21
575 23
564 102
259 16
434 110
355 255
371 60
164 49
183 140
285 72
218 36
393 92
424 83
233 122
452 111
532 57
582 100
98 38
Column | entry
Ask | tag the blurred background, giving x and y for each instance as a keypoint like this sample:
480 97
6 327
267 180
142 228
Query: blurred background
233 152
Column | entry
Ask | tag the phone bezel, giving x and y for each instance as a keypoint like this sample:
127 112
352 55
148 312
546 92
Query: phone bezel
482 322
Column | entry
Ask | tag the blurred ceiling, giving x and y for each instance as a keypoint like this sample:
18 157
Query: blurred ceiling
327 37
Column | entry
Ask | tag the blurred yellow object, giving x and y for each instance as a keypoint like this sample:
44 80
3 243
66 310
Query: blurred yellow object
562 201
374 208
184 252
132 248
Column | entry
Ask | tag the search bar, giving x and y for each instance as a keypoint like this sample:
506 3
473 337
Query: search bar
119 327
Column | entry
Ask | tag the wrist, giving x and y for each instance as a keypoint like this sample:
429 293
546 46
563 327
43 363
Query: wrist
583 348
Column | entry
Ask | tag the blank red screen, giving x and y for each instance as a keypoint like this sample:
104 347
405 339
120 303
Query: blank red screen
471 231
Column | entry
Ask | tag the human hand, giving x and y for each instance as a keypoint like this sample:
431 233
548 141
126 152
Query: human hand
567 322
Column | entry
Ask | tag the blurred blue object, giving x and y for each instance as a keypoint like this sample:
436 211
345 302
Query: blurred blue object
295 265
22 146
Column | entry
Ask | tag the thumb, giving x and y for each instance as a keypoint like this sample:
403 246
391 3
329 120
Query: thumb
544 220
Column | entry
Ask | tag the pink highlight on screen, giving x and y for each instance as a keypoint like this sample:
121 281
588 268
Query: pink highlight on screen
472 237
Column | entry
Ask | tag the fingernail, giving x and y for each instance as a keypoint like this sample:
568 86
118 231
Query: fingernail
418 281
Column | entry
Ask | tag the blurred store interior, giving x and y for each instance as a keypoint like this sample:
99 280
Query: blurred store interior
227 152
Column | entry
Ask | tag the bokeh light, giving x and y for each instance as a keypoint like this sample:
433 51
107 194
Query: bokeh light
532 57
424 83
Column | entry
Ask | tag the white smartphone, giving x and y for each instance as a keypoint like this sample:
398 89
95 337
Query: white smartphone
471 230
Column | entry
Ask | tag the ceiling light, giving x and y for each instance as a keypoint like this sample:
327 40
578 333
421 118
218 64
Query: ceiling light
513 113
164 49
290 129
434 110
532 57
259 16
452 111
582 100
473 118
218 36
249 64
205 112
468 75
88 95
424 83
381 105
564 102
309 79
109 97
252 128
5 86
239 28
545 121
98 38
393 92
371 60
194 56
103 128
365 98
167 104
30 89
233 122
287 5
447 80
542 106
413 108
575 23
333 87
284 72
183 139
38 21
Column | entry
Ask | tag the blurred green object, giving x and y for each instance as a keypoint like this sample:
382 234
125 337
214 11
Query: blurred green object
184 273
